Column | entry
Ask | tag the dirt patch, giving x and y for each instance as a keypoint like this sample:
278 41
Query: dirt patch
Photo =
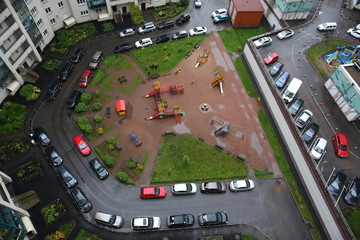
246 136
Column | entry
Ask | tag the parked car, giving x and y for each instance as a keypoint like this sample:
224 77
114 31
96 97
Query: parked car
329 26
213 187
197 3
96 60
271 58
41 136
215 218
262 42
303 118
337 183
145 223
183 19
107 219
143 43
53 91
81 200
99 168
129 32
123 48
285 34
152 192
352 194
282 79
218 12
183 220
340 145
183 188
241 185
318 149
310 132
65 175
276 68
354 32
53 156
73 99
78 55
197 31
162 39
65 72
86 78
147 27
81 145
179 35
296 106
166 25
221 18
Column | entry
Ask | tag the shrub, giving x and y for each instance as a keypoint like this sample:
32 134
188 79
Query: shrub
97 94
84 125
107 27
136 15
108 161
100 131
82 120
81 108
123 177
98 118
86 98
30 92
132 165
239 48
111 140
97 106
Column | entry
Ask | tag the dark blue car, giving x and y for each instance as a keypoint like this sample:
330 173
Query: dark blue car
282 79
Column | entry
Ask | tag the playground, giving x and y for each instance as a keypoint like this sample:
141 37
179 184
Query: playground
343 55
202 96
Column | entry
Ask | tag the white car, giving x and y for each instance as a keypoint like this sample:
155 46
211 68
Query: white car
144 223
197 3
318 148
183 188
285 34
241 185
197 31
354 32
262 42
218 12
303 118
143 43
129 32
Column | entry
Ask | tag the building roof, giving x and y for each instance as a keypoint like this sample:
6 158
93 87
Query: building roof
248 6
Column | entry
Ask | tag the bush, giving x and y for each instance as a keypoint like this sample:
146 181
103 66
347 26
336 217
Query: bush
136 15
30 92
98 118
123 177
108 161
84 125
112 140
100 131
86 98
97 106
132 165
81 108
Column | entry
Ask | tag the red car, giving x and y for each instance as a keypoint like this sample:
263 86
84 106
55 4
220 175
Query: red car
273 57
86 78
81 145
340 144
152 192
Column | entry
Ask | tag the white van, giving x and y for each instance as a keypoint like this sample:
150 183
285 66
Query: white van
291 90
327 26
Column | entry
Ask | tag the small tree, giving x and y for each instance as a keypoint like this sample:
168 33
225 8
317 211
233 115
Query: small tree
86 98
81 108
122 176
108 161
98 118
30 92
100 131
111 140
97 106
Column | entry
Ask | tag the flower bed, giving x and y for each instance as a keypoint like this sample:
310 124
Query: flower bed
29 170
53 211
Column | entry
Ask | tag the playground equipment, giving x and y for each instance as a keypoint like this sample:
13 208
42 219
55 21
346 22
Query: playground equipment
218 80
343 55
120 107
136 139
201 59
224 126
161 104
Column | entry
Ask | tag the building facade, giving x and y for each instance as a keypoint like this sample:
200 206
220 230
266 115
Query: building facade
291 9
244 13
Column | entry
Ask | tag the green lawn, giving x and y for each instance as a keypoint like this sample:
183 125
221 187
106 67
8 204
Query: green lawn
245 77
352 215
12 117
184 158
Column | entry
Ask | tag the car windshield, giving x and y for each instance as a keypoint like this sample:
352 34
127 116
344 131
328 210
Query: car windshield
68 178
82 202
83 79
318 150
354 193
54 155
343 147
289 94
42 136
150 222
112 219
270 58
82 145
262 40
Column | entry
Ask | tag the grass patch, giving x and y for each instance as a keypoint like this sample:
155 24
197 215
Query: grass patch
105 83
109 62
245 77
10 149
63 231
51 64
169 10
107 27
123 64
84 235
184 158
12 117
247 237
100 74
137 80
287 173
29 170
164 55
262 174
352 216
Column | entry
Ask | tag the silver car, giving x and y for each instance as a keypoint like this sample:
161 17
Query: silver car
129 32
147 27
303 118
183 188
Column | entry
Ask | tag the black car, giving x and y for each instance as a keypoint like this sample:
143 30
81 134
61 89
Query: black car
215 218
310 132
296 106
275 69
81 200
183 220
183 19
123 48
337 183
41 136
53 155
98 168
165 25
65 72
53 91
353 192
69 180
73 99
162 39
78 54
179 35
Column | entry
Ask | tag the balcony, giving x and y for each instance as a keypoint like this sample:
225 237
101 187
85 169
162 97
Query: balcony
96 4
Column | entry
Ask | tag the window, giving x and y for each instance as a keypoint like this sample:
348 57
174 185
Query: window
53 21
48 10
84 13
81 2
45 33
39 23
34 11
43 1
61 4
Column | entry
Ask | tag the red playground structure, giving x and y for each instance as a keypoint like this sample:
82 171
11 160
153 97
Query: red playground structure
161 104
218 81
